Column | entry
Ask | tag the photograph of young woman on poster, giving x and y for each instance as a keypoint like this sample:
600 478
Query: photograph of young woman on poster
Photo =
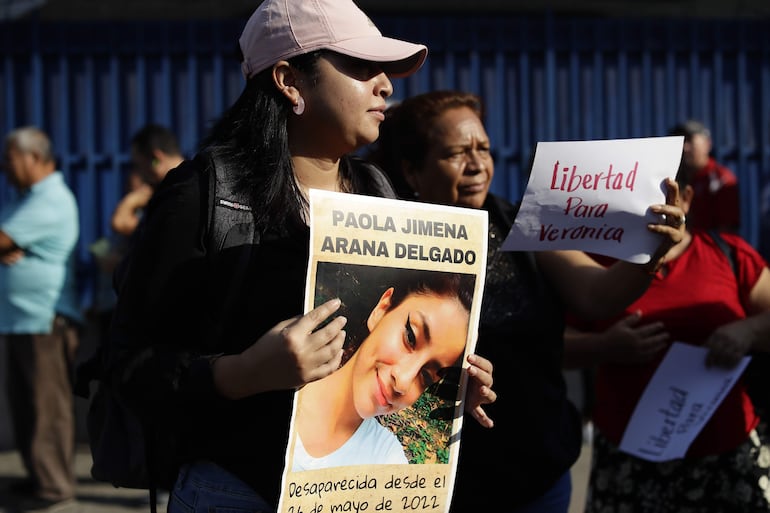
413 326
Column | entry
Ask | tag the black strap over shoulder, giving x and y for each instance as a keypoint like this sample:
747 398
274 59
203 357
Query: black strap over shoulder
755 375
232 237
728 251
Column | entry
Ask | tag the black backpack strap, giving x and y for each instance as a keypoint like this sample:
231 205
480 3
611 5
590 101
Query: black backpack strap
231 221
728 251
755 375
231 227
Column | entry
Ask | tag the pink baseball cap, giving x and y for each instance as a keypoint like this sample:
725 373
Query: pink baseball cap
281 29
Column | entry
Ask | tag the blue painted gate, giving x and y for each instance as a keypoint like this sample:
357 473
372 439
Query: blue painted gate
543 78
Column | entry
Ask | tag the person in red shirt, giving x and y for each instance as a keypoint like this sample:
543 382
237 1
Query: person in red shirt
717 208
695 298
714 185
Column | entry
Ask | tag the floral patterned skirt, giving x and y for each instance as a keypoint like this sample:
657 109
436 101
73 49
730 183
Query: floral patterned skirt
733 482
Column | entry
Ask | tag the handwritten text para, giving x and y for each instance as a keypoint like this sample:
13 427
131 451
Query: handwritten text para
572 181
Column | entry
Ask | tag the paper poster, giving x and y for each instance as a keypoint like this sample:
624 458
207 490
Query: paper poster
595 196
382 432
678 401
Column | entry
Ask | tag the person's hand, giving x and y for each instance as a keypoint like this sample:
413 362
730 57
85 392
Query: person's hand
671 226
140 196
728 344
294 352
125 217
479 391
12 256
629 341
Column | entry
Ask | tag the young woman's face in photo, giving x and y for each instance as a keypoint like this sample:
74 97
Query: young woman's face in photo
405 350
348 102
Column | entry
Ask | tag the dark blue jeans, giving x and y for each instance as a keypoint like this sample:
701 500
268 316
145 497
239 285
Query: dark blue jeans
555 500
204 487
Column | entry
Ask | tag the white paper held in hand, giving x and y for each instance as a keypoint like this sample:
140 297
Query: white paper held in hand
595 196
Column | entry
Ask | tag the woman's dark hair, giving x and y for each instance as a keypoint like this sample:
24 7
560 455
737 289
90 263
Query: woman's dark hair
251 137
414 281
407 132
153 137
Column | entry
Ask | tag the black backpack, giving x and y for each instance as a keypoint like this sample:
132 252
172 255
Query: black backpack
127 451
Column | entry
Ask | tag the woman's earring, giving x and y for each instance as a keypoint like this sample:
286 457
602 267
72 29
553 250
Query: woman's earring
300 107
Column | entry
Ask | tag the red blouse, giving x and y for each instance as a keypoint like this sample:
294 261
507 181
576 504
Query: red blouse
698 293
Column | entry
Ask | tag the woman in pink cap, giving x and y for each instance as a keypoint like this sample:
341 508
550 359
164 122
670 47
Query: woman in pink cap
216 363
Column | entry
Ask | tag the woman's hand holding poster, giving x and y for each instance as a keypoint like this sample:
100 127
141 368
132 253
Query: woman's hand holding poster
381 433
591 195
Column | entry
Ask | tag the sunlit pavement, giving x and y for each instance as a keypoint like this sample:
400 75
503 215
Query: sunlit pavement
92 496
96 497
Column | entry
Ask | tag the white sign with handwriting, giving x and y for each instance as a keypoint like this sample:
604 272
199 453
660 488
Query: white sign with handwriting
678 401
595 196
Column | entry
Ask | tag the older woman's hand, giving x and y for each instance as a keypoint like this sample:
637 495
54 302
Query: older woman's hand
671 226
729 343
479 389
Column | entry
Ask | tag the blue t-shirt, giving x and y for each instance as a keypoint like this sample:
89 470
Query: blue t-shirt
43 221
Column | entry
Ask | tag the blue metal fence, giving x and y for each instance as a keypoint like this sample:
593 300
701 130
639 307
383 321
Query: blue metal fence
90 85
